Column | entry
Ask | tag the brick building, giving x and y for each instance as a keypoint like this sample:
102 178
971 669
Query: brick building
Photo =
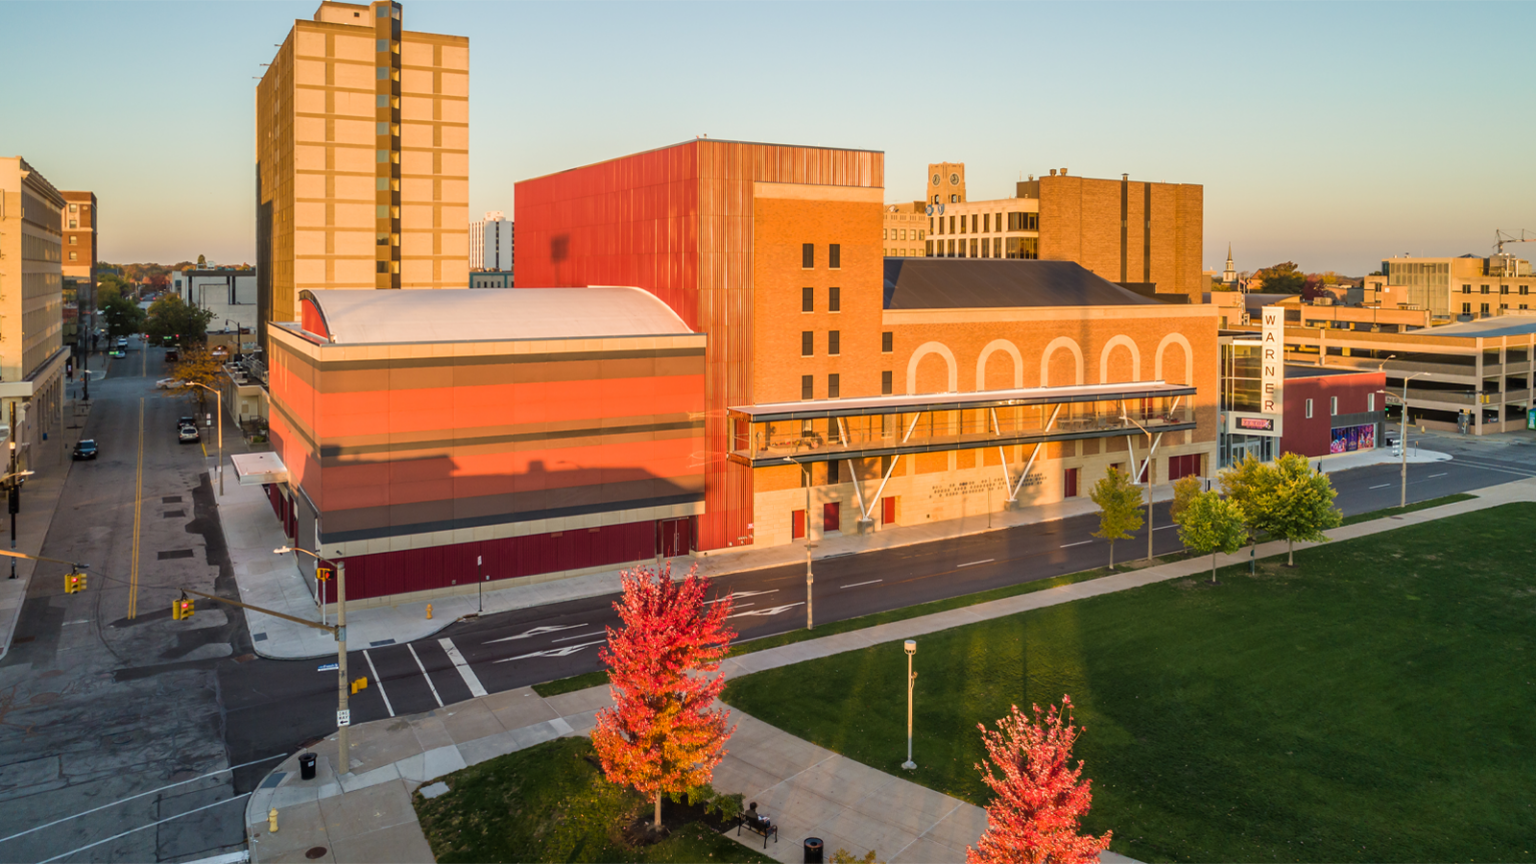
362 158
1129 232
817 343
1330 411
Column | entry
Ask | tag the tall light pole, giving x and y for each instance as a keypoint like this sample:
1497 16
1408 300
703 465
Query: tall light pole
910 646
220 408
1402 441
343 714
810 578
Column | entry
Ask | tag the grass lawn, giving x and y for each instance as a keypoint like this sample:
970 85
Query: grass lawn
549 803
1376 703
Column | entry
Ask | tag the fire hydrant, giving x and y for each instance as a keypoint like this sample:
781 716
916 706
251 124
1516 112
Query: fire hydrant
272 821
429 611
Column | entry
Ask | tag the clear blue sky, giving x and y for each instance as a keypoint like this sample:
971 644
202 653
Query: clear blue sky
1325 133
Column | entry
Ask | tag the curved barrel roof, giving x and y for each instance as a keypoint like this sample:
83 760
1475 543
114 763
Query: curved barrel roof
369 316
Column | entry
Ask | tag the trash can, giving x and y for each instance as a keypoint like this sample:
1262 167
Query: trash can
307 766
813 850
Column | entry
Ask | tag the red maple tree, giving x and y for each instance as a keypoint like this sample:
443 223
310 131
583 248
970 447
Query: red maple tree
1039 799
663 735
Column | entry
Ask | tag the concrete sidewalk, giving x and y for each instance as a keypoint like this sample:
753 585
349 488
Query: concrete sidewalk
39 501
368 815
808 790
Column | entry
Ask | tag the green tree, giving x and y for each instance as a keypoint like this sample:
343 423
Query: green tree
1212 524
1285 278
1119 503
1184 491
172 317
1300 504
202 261
1249 484
197 366
123 316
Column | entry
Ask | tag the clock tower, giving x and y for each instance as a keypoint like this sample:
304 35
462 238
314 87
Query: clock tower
946 183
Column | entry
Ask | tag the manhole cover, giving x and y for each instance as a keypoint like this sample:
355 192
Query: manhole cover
43 698
315 852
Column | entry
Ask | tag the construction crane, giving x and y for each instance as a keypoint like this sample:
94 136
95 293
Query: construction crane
1502 237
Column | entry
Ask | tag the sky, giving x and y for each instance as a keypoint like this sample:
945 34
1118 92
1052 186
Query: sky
1329 134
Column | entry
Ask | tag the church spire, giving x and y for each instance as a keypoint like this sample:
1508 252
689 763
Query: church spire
1229 276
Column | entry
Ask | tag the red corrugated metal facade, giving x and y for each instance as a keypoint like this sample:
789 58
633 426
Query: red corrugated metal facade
678 222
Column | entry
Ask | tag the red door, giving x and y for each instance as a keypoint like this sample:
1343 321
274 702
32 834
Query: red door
830 518
797 525
674 537
888 511
1070 477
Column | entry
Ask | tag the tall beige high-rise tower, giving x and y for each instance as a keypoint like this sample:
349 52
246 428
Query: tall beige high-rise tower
362 159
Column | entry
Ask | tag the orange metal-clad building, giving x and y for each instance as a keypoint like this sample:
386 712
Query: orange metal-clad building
695 224
440 438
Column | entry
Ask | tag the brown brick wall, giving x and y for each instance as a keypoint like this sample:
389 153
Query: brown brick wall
1080 221
785 216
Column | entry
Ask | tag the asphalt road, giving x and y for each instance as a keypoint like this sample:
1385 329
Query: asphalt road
95 706
140 705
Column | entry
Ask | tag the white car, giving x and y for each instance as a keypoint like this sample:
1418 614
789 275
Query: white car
167 384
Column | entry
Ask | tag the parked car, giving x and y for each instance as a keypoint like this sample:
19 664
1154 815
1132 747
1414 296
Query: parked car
167 384
85 448
188 435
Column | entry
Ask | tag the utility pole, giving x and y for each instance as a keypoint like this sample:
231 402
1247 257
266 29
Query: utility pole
343 713
810 578
13 484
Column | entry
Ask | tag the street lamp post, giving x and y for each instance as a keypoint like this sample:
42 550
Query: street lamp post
1402 442
810 578
910 646
219 406
343 714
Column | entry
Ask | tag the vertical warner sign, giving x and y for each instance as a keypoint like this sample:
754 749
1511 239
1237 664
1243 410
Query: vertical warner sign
1272 361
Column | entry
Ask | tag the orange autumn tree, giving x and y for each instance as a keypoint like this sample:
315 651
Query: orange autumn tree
663 736
1039 799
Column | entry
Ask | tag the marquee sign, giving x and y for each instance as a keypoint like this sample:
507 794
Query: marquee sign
1249 423
1272 362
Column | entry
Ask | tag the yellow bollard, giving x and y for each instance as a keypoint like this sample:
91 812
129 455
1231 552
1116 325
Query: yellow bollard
429 611
272 821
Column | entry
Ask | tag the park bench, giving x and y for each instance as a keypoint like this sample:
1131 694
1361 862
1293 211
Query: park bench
759 825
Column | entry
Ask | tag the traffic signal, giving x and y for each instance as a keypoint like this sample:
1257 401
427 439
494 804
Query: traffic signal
360 684
182 609
323 574
74 582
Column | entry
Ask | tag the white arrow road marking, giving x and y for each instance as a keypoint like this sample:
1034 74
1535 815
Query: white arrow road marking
468 674
1078 543
974 563
740 594
766 612
582 636
537 631
566 651
857 584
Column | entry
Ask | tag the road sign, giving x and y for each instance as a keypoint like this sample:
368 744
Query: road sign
1394 399
344 718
